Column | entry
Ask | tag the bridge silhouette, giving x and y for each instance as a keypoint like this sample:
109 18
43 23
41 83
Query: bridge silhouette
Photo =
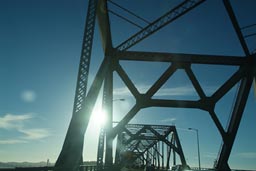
141 145
136 145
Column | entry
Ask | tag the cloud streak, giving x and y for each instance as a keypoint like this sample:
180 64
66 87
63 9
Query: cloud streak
12 141
17 123
176 91
248 155
10 121
210 155
168 120
173 91
34 134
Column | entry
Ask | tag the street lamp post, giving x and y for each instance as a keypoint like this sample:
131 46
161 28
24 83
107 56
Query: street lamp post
198 151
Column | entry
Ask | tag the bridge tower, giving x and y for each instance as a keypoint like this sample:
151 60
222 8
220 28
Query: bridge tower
71 153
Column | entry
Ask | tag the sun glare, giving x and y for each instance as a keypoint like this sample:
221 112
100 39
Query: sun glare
99 117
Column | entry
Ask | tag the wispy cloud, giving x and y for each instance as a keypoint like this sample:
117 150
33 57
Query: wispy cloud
122 91
12 141
168 120
210 155
34 134
28 96
10 121
17 123
173 91
176 91
248 155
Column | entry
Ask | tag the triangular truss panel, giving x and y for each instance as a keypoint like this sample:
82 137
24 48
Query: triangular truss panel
209 81
139 72
225 105
178 86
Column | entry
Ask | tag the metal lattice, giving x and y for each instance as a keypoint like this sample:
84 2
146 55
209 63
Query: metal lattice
65 160
85 59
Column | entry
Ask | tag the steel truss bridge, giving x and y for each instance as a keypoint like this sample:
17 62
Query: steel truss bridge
144 141
143 145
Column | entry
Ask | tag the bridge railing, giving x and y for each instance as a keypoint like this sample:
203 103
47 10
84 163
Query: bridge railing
87 168
197 168
50 168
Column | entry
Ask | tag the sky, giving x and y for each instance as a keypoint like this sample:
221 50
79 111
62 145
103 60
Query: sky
40 48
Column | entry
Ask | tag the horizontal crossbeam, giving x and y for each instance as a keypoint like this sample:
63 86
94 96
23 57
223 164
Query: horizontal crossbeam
181 58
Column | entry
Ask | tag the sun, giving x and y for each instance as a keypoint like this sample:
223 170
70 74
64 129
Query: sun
98 117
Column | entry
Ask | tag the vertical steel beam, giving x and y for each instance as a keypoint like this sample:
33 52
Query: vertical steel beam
100 151
174 157
118 149
147 162
158 155
162 154
154 148
169 153
107 107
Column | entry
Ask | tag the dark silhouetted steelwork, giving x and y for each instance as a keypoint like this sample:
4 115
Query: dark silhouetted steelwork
71 153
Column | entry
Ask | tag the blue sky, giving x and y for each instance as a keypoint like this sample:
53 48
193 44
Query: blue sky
39 55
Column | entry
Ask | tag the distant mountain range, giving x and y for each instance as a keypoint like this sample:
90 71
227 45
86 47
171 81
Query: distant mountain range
24 164
36 164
